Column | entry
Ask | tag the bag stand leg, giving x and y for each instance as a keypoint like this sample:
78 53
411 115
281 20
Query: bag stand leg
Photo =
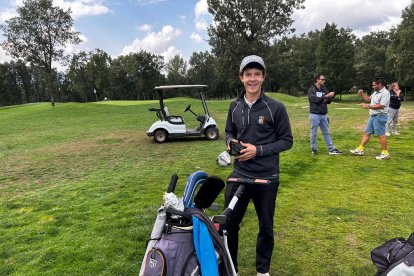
228 251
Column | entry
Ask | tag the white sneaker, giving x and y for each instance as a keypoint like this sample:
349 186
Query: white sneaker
387 134
356 151
382 156
263 274
395 132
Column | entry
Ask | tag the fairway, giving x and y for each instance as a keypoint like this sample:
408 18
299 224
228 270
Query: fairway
80 185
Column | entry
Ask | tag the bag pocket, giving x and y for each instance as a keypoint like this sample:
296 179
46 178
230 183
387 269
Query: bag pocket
155 264
191 266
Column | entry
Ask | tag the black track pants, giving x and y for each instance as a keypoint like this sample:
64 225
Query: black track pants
264 200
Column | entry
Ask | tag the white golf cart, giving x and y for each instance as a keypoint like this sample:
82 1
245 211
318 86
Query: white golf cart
173 126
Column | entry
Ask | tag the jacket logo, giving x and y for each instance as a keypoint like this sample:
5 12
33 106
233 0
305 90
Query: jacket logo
261 120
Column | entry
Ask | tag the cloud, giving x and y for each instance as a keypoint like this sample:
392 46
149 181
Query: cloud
7 14
83 7
159 43
148 2
79 8
4 57
201 15
201 8
170 53
367 16
196 38
201 25
145 28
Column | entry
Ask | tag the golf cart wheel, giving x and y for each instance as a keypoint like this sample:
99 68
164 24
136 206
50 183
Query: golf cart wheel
212 133
160 136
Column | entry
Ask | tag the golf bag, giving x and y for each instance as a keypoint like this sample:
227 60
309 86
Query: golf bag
188 238
395 257
173 254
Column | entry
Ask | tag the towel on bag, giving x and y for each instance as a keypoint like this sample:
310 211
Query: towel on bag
204 248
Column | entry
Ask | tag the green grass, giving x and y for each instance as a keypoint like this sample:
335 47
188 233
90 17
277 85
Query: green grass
80 185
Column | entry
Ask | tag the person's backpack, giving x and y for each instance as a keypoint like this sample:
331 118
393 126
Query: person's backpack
395 257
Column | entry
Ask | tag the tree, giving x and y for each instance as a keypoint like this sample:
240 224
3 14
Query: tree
401 53
8 86
134 76
371 58
176 70
98 70
246 27
202 71
79 83
282 72
335 57
38 35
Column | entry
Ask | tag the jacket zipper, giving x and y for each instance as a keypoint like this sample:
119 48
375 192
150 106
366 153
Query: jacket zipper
248 117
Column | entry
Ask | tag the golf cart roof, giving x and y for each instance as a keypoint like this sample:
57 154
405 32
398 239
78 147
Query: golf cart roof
180 86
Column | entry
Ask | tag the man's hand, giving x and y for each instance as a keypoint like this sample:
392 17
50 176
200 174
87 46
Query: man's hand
364 105
330 95
361 92
248 153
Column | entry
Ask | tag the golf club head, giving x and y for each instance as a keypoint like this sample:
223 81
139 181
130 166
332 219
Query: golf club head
208 192
194 180
224 159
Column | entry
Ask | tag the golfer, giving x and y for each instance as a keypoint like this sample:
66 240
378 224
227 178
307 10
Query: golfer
378 109
261 124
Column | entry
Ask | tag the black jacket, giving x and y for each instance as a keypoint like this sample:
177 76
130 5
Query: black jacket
395 101
317 100
265 125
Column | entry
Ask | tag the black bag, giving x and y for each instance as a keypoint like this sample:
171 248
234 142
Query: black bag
393 253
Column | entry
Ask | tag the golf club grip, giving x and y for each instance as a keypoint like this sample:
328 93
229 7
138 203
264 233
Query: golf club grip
247 180
173 182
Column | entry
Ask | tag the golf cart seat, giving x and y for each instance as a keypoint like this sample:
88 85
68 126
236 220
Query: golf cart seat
176 120
201 119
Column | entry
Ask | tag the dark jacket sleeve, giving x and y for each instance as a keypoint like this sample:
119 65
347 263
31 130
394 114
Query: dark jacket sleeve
398 98
283 132
231 130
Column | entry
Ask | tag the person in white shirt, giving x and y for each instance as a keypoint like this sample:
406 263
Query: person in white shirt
378 110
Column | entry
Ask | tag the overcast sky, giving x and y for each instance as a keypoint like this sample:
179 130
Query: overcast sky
169 27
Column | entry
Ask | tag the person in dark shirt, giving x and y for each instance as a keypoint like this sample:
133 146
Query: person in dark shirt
261 124
319 99
396 98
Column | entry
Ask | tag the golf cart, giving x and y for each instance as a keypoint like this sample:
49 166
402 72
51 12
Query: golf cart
173 126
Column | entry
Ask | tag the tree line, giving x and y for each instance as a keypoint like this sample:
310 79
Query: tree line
348 62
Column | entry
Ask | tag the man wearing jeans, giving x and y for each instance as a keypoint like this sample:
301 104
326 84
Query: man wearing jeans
318 100
378 109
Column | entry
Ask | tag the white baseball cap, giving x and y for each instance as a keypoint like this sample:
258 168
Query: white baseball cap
251 59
